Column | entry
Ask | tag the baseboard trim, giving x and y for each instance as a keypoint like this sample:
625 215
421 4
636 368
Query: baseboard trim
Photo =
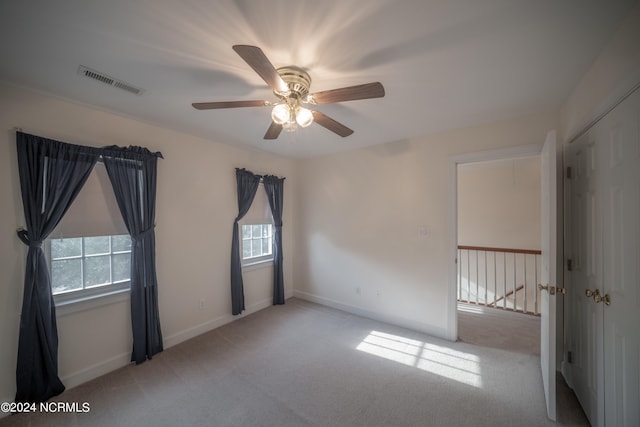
202 328
94 371
370 314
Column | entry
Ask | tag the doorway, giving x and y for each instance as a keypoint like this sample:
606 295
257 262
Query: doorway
499 242
505 154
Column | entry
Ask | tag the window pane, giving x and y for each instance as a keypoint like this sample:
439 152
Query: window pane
121 243
62 248
246 231
266 230
266 246
97 271
256 230
66 275
121 267
256 247
246 249
96 245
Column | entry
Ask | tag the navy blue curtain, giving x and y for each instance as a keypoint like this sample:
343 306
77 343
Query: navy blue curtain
247 184
51 176
274 187
132 172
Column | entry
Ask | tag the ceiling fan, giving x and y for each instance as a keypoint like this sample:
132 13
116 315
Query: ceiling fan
291 85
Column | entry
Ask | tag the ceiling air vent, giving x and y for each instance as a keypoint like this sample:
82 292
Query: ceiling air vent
103 78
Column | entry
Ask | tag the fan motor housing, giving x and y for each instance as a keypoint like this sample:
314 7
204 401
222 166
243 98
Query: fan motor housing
297 80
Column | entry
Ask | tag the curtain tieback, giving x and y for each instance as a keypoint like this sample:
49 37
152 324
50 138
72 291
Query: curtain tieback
22 235
143 234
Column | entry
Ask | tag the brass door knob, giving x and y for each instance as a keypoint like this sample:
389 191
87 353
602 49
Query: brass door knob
593 294
606 299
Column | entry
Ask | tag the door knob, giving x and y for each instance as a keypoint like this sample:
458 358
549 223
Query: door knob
606 299
551 289
592 294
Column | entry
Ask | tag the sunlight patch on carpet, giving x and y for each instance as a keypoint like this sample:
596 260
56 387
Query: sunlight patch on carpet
439 360
471 309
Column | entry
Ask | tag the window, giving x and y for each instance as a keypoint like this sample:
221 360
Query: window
257 243
89 252
83 267
257 231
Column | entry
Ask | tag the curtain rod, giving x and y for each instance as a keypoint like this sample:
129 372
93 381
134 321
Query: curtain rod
261 175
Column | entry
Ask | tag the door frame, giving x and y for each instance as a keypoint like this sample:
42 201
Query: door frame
455 160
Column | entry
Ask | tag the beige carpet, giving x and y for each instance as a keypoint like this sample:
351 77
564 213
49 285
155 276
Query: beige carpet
302 364
496 328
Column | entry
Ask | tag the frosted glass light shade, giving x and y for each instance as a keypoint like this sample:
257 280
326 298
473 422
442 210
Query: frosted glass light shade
304 117
281 114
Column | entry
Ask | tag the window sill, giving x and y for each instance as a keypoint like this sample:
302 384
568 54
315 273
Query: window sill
82 303
258 265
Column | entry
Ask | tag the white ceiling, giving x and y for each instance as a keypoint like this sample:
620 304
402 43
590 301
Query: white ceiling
444 63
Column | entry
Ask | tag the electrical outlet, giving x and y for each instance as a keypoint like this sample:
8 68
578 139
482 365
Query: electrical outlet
201 304
357 290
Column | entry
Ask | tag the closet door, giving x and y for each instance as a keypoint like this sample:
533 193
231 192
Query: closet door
583 226
603 241
621 243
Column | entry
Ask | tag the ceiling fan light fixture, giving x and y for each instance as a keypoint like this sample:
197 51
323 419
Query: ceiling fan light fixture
291 86
290 126
304 117
281 114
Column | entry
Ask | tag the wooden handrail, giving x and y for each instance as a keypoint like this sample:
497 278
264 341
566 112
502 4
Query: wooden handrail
511 292
508 250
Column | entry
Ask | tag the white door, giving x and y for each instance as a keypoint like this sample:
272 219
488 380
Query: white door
621 260
583 228
548 273
603 242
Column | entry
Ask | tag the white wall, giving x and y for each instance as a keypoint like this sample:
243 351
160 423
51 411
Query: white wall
362 213
612 74
499 203
196 206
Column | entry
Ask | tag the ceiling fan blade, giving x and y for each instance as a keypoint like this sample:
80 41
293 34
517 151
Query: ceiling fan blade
364 91
274 131
255 57
228 104
327 122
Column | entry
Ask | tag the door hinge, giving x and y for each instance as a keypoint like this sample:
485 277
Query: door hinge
569 357
569 265
568 172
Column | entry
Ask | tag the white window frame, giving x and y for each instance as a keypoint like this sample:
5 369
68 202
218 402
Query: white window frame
72 297
257 260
